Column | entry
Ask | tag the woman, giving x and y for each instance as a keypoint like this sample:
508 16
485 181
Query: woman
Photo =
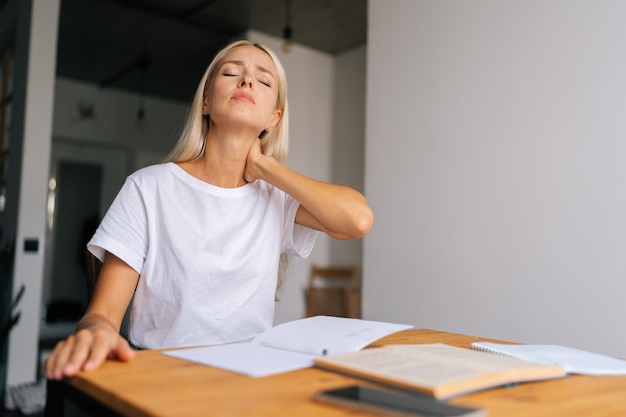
197 239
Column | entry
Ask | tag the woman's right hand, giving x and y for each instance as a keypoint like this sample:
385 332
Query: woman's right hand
97 336
87 349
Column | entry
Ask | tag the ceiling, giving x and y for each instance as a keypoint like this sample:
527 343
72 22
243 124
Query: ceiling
162 47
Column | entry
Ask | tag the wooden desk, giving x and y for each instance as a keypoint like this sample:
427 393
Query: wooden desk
153 385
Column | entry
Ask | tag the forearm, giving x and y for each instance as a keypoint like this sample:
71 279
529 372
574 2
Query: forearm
341 211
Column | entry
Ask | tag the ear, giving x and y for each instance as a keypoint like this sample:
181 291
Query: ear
275 119
205 106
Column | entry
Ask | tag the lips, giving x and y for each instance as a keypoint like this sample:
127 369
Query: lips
243 97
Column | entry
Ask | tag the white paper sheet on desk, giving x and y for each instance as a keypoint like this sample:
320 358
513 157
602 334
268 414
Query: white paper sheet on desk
292 345
249 359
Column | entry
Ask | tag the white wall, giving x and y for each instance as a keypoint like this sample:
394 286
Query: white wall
114 123
495 165
348 140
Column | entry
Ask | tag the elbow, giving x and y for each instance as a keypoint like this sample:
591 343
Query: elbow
363 223
355 224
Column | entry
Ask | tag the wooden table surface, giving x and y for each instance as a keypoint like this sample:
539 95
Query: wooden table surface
154 385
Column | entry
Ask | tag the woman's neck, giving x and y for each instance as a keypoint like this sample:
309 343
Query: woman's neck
224 160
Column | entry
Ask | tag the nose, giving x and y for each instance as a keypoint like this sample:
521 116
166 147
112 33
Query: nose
246 81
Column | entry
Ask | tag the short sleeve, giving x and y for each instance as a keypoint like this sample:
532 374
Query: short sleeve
297 239
124 229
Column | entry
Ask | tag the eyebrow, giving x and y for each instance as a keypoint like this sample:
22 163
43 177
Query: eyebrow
241 63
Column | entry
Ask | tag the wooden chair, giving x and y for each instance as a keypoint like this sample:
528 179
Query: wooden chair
334 291
92 267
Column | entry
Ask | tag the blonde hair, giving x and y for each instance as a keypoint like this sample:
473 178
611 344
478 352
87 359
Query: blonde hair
190 144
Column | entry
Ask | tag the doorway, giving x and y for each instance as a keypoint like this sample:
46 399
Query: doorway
78 189
84 180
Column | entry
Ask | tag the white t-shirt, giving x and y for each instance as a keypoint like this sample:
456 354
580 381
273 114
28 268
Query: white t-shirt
207 256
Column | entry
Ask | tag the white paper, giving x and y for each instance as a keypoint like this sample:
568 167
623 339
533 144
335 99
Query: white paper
325 335
291 346
574 361
246 358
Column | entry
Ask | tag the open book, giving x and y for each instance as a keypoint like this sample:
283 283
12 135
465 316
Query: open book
440 370
290 346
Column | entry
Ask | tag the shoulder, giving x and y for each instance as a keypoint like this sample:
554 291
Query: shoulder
148 180
152 171
153 174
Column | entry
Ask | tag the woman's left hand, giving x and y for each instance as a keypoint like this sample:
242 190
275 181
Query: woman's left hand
337 210
251 172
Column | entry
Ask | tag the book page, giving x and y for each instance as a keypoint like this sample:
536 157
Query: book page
428 370
432 364
458 357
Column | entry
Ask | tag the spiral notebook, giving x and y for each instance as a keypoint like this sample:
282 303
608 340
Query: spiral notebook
575 361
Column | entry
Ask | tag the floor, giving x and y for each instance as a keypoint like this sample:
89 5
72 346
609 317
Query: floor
32 400
6 413
69 412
